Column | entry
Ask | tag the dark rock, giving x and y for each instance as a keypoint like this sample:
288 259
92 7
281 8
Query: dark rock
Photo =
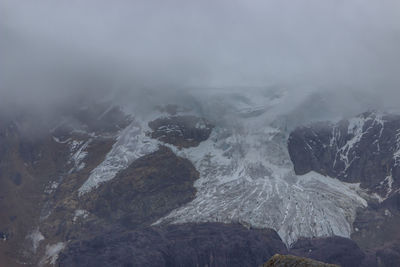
3 236
392 203
39 179
389 255
181 131
334 250
148 189
207 244
16 178
293 261
362 149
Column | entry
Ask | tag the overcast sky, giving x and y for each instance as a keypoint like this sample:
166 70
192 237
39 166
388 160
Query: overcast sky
53 50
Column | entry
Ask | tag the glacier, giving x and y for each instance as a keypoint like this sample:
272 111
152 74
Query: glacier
246 175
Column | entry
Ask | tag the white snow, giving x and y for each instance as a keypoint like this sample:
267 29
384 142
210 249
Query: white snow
51 254
357 130
388 213
389 181
378 197
387 185
396 155
51 187
78 153
80 214
35 236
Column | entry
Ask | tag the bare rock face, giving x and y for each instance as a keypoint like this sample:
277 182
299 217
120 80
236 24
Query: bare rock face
42 162
334 250
364 149
27 164
148 189
377 232
378 224
294 261
181 131
207 244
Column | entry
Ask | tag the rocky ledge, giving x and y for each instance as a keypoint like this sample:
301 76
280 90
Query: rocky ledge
293 261
181 131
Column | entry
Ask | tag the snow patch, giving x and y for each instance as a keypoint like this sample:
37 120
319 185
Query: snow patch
52 252
80 214
355 128
396 155
35 236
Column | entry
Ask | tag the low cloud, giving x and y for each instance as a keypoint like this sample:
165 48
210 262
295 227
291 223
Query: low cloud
57 52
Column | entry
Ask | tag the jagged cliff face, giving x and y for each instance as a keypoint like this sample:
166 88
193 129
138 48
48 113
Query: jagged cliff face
363 149
41 165
98 178
246 175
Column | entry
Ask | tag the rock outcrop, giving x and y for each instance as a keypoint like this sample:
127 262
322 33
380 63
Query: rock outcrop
181 131
207 244
364 149
334 250
294 261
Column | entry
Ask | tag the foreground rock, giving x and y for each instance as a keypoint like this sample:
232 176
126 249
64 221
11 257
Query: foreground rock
293 261
334 250
208 244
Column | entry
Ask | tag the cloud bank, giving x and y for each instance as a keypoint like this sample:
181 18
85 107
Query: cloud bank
57 52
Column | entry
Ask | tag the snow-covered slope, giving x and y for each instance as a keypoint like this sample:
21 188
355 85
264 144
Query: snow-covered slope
245 170
132 143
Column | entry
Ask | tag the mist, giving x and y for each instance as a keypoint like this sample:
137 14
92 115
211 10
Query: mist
57 53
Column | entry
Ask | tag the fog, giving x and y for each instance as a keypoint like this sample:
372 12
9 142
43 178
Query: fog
56 53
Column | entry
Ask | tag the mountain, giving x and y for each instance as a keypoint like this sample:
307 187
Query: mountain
222 178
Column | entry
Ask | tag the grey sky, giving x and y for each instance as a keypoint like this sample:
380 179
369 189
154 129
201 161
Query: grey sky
53 50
